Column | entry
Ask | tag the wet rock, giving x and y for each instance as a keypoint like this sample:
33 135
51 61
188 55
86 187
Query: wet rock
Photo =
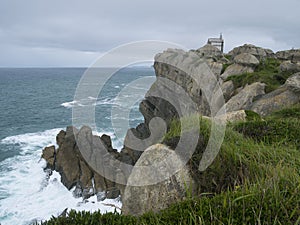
49 155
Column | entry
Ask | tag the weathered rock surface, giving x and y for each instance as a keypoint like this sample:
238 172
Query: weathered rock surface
49 155
154 197
244 99
275 100
285 96
288 66
293 83
209 51
227 89
258 52
246 59
236 69
73 167
292 55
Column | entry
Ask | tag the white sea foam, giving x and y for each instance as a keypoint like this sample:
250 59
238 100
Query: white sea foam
69 104
25 192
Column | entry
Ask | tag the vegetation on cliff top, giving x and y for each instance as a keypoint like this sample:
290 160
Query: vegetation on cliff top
266 72
255 179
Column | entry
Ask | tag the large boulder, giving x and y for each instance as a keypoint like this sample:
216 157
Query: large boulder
258 52
208 51
285 96
275 100
293 82
170 188
236 69
244 99
246 59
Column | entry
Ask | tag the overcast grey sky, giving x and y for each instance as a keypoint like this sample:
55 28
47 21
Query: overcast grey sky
74 33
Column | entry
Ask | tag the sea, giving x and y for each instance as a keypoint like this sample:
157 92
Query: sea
35 104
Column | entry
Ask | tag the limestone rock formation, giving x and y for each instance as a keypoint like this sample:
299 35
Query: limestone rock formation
154 197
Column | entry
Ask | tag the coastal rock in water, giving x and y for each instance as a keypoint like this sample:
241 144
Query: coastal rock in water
73 167
67 161
49 156
154 197
244 99
246 59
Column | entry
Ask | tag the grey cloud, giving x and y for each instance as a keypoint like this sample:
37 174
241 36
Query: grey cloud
68 26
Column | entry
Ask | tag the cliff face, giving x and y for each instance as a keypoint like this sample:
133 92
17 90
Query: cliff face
186 83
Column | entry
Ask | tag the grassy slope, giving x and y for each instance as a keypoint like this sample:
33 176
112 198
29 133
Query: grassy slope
257 172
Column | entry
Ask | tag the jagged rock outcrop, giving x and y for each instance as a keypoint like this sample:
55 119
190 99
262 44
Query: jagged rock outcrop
74 169
156 196
258 52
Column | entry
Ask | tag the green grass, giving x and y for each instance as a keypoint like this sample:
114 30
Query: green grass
267 72
255 179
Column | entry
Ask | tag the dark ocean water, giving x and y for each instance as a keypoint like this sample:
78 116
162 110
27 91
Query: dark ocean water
35 105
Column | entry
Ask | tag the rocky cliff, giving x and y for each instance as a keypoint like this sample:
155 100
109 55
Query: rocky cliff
195 78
